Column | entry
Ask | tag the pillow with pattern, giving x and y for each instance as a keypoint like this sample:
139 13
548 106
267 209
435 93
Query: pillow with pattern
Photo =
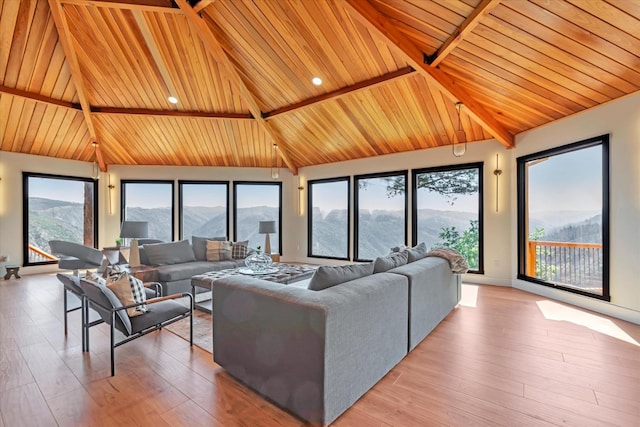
129 290
218 250
95 277
239 249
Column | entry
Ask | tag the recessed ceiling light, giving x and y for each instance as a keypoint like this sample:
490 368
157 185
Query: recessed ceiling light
316 81
172 99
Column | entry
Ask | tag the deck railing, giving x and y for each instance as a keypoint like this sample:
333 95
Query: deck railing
38 255
576 265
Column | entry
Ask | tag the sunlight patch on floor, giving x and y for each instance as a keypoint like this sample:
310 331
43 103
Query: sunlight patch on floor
469 295
554 311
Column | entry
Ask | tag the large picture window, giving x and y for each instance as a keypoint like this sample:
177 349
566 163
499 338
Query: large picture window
204 209
57 208
328 220
447 210
563 217
255 202
381 213
150 201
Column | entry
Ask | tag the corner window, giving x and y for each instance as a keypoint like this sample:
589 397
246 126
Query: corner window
150 201
255 202
203 209
57 208
563 217
328 220
447 210
380 213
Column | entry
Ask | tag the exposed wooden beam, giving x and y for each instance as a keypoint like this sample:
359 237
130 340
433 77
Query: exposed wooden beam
202 4
39 98
484 8
379 25
169 113
161 6
211 43
64 34
99 158
339 93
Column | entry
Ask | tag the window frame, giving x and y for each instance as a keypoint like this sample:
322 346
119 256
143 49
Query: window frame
236 184
180 200
25 211
414 202
310 184
356 206
603 141
123 194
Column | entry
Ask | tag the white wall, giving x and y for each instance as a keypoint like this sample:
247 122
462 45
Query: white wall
621 119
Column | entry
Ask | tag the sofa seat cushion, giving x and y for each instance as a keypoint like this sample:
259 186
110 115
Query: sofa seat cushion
174 272
157 313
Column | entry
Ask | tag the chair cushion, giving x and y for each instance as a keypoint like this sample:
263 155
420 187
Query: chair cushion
105 297
328 276
199 245
158 313
71 283
170 253
393 260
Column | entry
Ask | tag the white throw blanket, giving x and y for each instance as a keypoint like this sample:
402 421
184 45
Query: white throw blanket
457 262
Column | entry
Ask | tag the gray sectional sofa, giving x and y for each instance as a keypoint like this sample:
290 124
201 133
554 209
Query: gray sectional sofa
315 352
177 262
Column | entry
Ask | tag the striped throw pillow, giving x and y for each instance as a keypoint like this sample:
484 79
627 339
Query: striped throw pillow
218 250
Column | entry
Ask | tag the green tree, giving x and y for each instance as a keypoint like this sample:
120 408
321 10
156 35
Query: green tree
543 270
446 183
466 244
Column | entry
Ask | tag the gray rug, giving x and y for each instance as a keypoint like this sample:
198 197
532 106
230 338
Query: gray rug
202 326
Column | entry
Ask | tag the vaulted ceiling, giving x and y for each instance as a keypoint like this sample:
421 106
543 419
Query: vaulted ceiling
78 72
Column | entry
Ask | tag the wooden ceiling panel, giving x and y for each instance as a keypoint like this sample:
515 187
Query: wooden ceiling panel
146 140
145 58
279 46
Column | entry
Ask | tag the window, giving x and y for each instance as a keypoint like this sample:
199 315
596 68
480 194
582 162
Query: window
447 210
204 209
255 202
563 217
328 220
57 208
381 214
150 201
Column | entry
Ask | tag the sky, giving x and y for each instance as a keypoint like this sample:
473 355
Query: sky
570 181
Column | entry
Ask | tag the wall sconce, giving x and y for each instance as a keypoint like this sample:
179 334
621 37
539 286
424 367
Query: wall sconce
110 195
300 197
275 168
460 148
497 172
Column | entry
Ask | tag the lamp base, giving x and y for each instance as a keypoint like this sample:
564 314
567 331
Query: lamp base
134 254
267 244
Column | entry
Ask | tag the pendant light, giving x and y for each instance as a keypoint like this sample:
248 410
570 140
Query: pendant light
460 148
275 168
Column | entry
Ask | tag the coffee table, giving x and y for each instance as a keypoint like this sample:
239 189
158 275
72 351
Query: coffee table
285 274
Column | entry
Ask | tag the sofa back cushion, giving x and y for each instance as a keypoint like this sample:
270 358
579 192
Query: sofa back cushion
199 245
417 252
169 253
393 260
328 276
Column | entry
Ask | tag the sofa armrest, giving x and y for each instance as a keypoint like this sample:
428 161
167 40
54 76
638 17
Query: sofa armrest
312 352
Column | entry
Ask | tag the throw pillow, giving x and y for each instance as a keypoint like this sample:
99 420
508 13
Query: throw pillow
129 290
94 277
417 252
170 253
393 260
218 251
399 248
239 249
199 245
328 276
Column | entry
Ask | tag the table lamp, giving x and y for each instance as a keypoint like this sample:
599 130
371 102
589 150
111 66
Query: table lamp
267 227
134 230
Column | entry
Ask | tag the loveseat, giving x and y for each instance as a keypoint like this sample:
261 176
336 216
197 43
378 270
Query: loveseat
177 262
315 352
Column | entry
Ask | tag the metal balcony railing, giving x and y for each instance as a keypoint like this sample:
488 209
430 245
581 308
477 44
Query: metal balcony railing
575 265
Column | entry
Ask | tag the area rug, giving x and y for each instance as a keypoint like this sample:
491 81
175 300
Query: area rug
202 327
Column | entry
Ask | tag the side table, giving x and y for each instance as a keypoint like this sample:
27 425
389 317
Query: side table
146 273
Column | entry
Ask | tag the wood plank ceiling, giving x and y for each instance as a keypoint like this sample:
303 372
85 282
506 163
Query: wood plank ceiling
75 72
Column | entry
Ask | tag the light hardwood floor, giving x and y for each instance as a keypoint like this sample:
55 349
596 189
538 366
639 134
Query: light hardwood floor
503 357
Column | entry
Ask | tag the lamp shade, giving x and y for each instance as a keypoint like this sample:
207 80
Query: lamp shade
134 229
267 227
